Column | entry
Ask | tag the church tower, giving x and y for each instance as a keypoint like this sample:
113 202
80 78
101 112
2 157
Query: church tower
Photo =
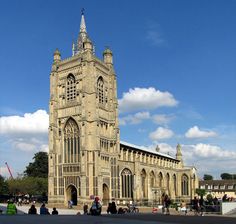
83 126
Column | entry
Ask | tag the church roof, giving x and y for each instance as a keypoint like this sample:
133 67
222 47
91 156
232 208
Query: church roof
142 148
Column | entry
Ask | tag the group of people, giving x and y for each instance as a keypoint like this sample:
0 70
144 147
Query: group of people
95 209
42 211
12 210
198 205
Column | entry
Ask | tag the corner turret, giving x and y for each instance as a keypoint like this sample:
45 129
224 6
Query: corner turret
56 56
108 56
179 154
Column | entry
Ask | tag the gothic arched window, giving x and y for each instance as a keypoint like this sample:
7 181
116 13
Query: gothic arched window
152 179
70 88
100 90
184 184
168 182
160 177
143 183
71 142
127 183
175 184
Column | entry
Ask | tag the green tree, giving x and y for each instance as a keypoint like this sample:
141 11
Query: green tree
209 198
226 176
3 186
207 177
28 185
39 167
200 192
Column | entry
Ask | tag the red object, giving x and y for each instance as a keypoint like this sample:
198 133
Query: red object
96 199
9 170
154 210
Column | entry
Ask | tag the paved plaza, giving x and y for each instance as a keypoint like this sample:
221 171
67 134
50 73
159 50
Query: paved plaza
69 216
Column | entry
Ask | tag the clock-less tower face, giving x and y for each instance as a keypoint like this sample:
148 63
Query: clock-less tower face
83 134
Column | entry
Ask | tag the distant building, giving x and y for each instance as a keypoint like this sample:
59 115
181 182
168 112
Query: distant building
86 157
219 187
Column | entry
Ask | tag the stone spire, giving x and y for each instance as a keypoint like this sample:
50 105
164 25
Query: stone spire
83 38
179 154
82 23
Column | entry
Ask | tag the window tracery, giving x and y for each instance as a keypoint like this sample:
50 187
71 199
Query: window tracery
70 88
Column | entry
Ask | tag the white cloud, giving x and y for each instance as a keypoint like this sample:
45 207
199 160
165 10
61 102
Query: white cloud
211 151
161 133
29 144
4 171
210 159
134 119
44 148
154 35
195 132
166 148
145 98
24 146
36 122
162 118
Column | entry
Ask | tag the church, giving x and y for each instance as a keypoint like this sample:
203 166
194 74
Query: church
86 156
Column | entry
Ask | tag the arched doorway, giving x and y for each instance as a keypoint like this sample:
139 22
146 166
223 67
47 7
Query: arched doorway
71 194
105 191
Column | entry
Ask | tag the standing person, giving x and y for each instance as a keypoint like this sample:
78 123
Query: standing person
54 211
11 208
167 203
163 202
32 210
44 210
196 205
202 205
225 198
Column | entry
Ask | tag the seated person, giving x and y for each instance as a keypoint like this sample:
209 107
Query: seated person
96 207
54 212
32 210
183 207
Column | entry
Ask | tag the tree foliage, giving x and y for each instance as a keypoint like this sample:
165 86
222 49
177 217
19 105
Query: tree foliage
39 167
3 186
227 176
28 185
207 177
200 192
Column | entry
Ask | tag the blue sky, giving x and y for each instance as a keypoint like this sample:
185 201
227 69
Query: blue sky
176 71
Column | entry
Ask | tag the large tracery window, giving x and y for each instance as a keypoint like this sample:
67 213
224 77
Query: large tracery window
100 90
127 183
70 88
184 184
71 142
